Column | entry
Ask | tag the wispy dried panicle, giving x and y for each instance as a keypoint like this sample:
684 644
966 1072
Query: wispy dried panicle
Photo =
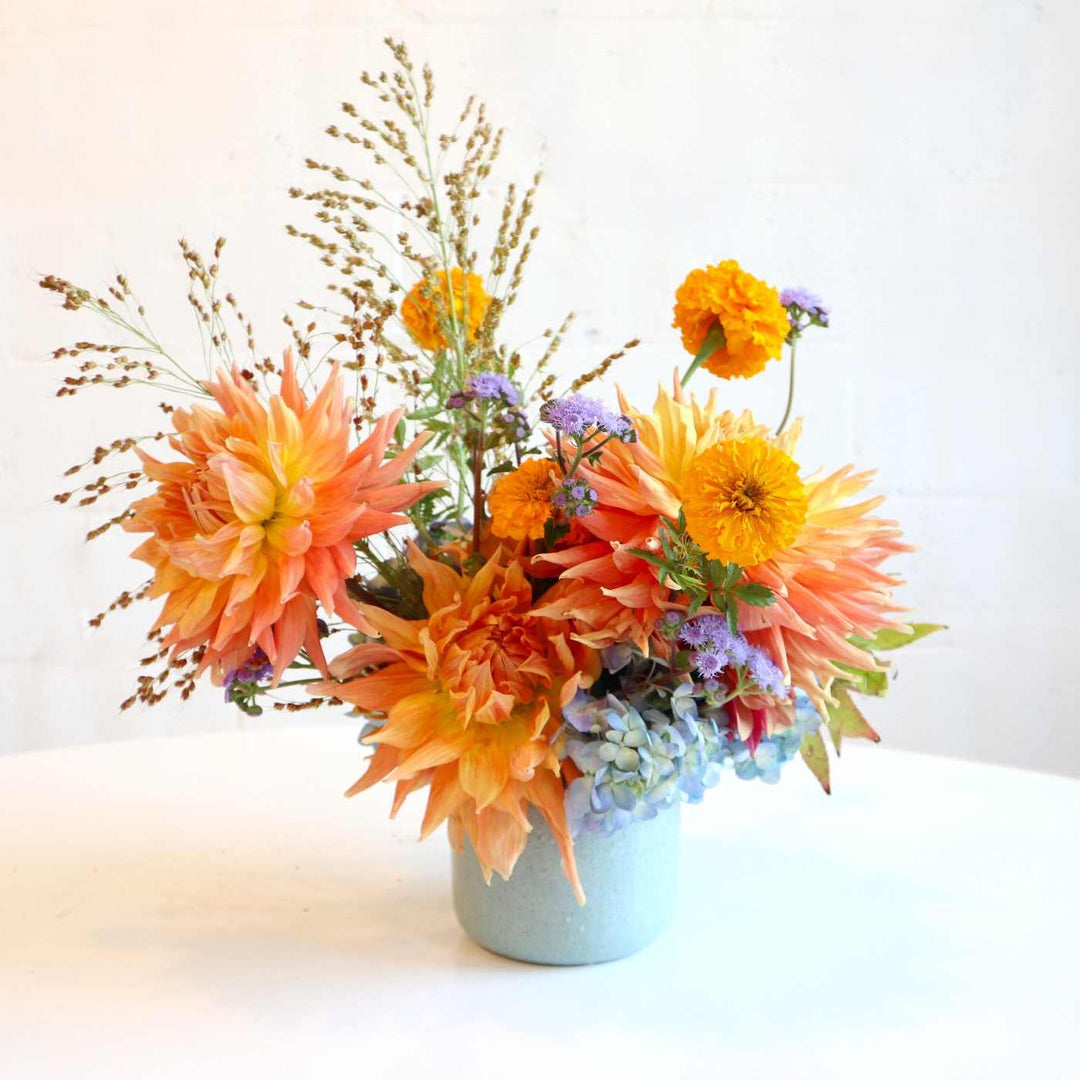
203 297
485 337
119 372
518 273
601 369
105 526
249 330
74 297
544 390
117 446
311 703
124 600
301 338
90 493
126 316
429 86
181 670
555 340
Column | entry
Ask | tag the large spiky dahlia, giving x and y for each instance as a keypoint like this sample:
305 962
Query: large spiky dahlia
258 520
472 696
610 594
828 582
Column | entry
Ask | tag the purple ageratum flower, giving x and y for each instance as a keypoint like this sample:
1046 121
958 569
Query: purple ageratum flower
489 385
739 650
516 423
254 669
577 415
766 674
711 629
800 297
800 302
693 634
715 646
574 498
709 662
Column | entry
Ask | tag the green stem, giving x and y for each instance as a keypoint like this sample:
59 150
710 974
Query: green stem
791 389
714 340
478 480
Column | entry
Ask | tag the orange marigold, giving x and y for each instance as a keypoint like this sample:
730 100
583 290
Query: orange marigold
472 697
257 521
754 321
520 502
744 501
426 309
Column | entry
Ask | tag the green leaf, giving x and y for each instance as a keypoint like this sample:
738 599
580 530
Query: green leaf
733 618
648 556
505 467
754 594
666 545
894 639
399 432
682 659
695 605
425 414
731 578
715 572
817 758
872 683
846 720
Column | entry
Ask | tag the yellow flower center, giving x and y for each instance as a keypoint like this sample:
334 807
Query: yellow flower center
744 501
747 497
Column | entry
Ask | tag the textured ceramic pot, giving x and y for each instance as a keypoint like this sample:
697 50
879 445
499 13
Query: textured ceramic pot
630 880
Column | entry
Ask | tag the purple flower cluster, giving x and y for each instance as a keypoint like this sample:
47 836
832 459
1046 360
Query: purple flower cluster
485 386
802 302
574 497
577 415
515 423
715 647
254 669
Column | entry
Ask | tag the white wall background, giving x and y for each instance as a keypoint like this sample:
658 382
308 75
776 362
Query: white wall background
915 163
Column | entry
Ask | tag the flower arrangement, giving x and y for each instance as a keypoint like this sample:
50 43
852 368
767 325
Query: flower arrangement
542 604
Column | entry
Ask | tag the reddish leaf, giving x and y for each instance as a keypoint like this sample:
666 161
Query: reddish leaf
845 719
816 758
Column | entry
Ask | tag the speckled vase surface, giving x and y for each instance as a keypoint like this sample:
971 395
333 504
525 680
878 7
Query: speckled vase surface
630 881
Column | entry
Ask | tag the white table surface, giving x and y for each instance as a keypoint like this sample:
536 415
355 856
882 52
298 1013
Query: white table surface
210 906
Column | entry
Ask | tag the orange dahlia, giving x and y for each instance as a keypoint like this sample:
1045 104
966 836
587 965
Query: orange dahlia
472 696
520 501
258 520
749 312
743 501
610 594
426 309
827 579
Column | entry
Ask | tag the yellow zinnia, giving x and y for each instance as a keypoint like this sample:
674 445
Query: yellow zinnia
744 501
426 308
520 502
749 311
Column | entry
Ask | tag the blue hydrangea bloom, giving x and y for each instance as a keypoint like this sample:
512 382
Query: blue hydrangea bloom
639 757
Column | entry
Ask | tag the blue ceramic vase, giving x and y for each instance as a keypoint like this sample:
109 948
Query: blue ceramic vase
630 881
